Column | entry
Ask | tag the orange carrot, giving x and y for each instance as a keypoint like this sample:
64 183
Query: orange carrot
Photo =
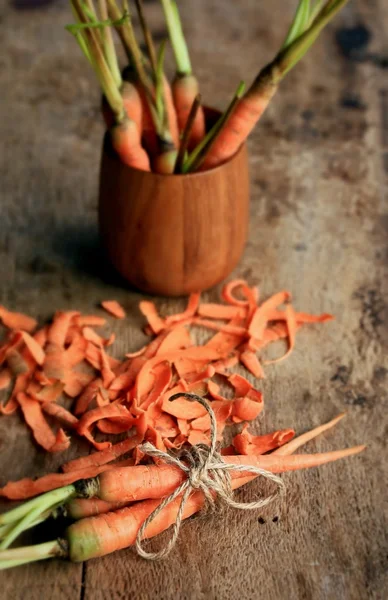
125 139
34 348
54 363
34 417
185 89
261 314
60 413
89 321
132 103
114 308
5 378
16 362
241 385
171 112
246 443
252 363
15 320
220 311
192 307
50 393
105 456
58 330
79 508
292 327
150 312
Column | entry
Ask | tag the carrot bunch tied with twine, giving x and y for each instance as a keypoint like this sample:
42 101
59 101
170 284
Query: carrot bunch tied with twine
161 127
203 476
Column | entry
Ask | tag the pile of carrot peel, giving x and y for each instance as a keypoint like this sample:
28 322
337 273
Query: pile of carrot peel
45 366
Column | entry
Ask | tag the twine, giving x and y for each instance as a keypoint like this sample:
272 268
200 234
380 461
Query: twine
207 472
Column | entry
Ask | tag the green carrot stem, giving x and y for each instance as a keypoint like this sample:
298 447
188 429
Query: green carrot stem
159 94
186 134
102 70
290 56
299 23
177 37
42 505
21 556
109 47
130 44
147 36
314 11
199 154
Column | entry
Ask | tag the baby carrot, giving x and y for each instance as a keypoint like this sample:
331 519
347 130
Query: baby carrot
255 101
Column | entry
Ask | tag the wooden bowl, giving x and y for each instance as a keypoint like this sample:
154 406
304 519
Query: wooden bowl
174 234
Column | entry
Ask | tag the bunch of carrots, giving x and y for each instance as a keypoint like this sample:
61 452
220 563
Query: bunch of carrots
163 127
111 492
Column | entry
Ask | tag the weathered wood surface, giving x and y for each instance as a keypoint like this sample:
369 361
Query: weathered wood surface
319 225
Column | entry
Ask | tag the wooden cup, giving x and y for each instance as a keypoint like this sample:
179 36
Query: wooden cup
173 234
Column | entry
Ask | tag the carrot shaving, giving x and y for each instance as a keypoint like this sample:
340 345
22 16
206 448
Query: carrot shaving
16 362
60 413
148 309
54 363
291 327
248 407
241 385
58 331
15 320
114 308
221 311
192 307
252 363
34 348
89 321
5 378
50 393
246 443
34 418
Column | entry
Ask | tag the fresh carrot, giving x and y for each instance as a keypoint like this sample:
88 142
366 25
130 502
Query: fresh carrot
185 86
79 508
256 99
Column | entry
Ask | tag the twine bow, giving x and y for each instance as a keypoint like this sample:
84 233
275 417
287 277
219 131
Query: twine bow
207 472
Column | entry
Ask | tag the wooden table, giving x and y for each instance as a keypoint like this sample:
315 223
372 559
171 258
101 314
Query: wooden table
319 225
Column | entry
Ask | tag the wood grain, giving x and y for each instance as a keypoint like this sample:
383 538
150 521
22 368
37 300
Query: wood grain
174 234
318 226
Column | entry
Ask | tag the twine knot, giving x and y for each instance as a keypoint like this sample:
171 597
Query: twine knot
206 471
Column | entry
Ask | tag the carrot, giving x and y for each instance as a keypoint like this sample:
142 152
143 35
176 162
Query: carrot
79 508
5 378
114 308
111 410
299 441
171 114
87 396
60 413
228 289
15 362
54 362
241 385
11 406
185 86
185 89
176 339
255 101
58 330
226 328
34 418
191 309
34 348
252 363
292 327
246 443
105 456
248 407
132 103
150 312
220 311
15 320
50 393
89 321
